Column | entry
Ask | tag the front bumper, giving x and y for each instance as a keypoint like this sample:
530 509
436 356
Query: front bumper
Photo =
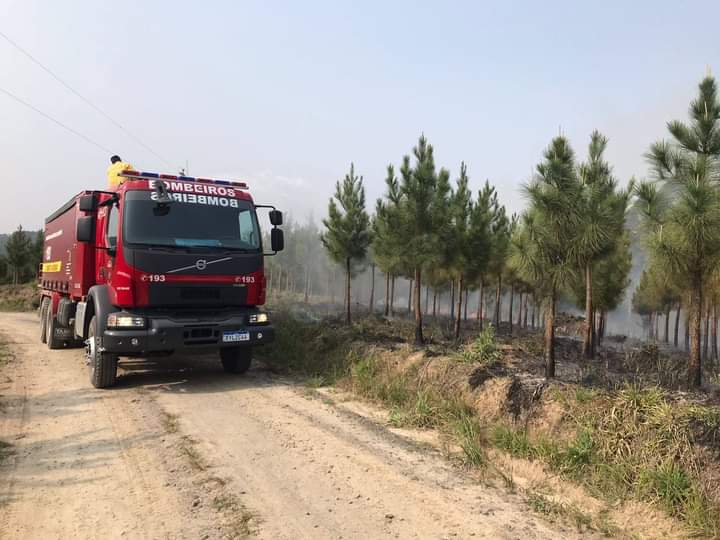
166 333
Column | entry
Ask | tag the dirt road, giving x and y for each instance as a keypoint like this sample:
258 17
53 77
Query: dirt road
181 450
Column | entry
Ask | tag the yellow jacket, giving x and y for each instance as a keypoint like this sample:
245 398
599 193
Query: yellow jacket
113 172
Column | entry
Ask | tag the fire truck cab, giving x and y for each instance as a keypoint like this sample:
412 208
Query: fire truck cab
162 264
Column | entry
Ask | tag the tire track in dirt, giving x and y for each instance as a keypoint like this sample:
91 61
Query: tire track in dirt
104 463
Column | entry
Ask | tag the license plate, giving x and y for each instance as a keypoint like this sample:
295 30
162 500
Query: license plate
234 337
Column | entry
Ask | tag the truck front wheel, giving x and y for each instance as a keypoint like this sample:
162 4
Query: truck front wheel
236 359
53 342
103 366
44 305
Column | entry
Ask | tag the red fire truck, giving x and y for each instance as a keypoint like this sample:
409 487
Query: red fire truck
163 263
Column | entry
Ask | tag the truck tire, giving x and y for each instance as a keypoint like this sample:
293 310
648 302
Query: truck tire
50 325
43 319
236 359
102 365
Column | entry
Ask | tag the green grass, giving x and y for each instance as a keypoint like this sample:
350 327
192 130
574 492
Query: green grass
482 349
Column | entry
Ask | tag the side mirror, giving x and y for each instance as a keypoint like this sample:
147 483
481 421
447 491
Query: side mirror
85 231
87 203
276 217
277 240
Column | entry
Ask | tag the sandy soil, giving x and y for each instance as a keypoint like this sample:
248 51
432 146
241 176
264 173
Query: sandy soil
181 450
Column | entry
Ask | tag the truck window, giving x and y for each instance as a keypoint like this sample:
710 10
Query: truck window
112 227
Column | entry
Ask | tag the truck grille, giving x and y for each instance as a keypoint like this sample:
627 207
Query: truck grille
162 295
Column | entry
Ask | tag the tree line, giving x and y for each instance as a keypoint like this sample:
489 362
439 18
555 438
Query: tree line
22 256
569 243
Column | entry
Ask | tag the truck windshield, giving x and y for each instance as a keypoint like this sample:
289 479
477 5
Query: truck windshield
192 221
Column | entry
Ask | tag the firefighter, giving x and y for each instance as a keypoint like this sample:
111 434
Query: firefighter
117 165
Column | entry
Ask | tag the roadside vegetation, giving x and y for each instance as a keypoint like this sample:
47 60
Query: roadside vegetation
620 429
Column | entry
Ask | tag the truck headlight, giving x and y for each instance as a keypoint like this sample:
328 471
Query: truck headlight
259 318
125 320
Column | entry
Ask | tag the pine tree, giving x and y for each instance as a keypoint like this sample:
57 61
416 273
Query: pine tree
602 207
386 235
461 207
18 253
424 209
682 232
36 254
544 239
347 234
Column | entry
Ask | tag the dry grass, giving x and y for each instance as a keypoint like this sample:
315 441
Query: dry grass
630 442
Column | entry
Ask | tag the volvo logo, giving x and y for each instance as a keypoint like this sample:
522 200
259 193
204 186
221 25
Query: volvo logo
200 265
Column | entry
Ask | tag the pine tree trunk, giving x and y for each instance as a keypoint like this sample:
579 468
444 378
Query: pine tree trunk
459 307
452 300
427 300
478 313
372 289
677 325
588 329
307 284
467 294
518 323
512 299
347 290
550 337
667 324
410 296
687 332
601 328
481 304
498 298
332 288
419 340
392 296
706 334
525 310
694 360
387 294
714 334
434 303
532 316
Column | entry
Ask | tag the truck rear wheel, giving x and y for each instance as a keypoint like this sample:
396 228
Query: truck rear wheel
43 319
103 366
53 342
236 359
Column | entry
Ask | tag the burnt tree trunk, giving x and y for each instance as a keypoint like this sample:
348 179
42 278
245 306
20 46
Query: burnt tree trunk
510 313
677 325
713 333
549 342
694 360
387 294
498 301
392 296
372 289
410 296
459 307
588 351
434 303
467 294
419 340
481 304
706 333
525 310
347 290
452 300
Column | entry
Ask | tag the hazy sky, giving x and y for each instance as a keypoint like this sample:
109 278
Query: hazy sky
285 95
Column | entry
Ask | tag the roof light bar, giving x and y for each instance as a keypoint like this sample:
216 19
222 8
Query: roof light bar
137 175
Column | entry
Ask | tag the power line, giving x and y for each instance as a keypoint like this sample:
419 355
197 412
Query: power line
58 122
83 98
